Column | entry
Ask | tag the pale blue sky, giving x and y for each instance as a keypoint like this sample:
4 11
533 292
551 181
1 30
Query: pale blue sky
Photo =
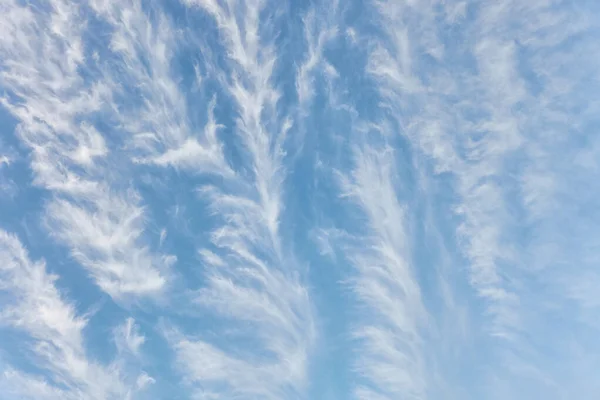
286 200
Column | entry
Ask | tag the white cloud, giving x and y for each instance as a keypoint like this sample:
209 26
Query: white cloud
432 130
318 31
42 62
143 381
38 310
17 385
326 239
103 238
127 337
8 187
390 359
193 156
253 285
487 108
490 116
4 160
161 129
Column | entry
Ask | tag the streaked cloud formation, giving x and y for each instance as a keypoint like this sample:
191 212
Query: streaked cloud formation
254 199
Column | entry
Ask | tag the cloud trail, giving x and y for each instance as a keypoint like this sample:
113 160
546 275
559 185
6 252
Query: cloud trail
485 123
91 211
390 358
50 322
257 199
253 285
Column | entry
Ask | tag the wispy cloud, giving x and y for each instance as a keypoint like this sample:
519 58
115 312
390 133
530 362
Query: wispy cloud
4 161
50 87
441 155
253 285
17 385
397 66
127 337
320 27
159 124
51 323
389 354
474 110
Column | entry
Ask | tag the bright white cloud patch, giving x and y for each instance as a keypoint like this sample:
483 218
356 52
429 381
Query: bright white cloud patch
36 310
257 199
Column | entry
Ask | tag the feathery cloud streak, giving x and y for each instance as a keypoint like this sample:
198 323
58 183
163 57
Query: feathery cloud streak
51 324
173 162
57 108
477 104
253 283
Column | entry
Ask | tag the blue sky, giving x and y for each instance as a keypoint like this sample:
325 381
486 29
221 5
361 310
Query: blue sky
282 200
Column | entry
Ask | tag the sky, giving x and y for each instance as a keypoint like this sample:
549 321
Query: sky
299 199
